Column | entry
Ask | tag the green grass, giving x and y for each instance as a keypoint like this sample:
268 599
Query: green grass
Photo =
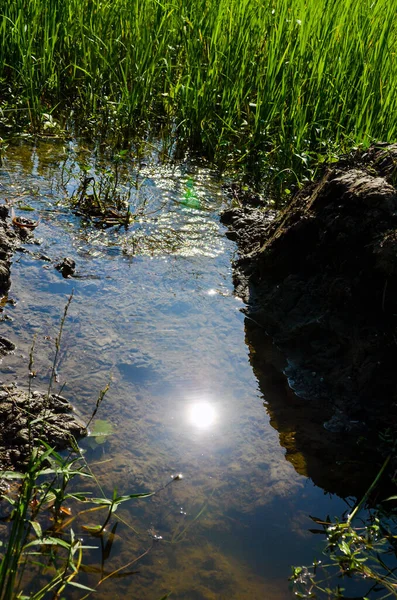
41 540
361 553
41 551
245 81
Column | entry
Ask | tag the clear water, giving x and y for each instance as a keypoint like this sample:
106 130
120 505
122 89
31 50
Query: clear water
154 310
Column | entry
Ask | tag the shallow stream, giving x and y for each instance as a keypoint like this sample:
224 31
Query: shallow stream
154 311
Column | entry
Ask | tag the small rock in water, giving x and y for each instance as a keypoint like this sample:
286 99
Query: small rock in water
67 267
6 346
4 272
3 211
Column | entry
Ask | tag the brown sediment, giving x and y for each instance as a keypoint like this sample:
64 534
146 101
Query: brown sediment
320 278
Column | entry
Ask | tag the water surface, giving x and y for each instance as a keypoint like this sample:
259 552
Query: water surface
154 311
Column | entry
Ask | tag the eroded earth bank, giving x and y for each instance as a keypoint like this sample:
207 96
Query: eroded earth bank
321 279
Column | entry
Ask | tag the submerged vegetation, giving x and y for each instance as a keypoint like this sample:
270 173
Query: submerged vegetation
248 83
42 542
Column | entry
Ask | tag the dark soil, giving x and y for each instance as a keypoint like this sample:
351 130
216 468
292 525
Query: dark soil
9 241
67 267
320 278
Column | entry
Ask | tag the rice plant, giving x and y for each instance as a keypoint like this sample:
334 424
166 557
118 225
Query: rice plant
246 82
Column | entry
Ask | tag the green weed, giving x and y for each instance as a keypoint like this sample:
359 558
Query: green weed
41 550
360 556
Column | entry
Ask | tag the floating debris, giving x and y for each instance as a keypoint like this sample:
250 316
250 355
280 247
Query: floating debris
155 536
25 223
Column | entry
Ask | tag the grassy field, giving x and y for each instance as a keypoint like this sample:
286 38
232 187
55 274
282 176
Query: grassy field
246 82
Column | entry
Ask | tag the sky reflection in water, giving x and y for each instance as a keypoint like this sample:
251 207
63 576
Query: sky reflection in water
159 315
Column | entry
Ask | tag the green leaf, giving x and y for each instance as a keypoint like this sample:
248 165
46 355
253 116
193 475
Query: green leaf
120 499
92 528
103 501
11 475
49 541
47 472
101 430
80 586
25 207
37 528
8 499
344 548
51 451
81 496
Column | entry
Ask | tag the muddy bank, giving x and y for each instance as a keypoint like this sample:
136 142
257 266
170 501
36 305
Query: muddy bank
26 416
9 241
321 279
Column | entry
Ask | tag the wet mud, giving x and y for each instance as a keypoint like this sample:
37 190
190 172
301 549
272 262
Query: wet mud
320 278
27 416
9 240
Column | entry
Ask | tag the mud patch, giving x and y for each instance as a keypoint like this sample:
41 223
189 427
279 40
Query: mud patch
27 418
9 240
6 346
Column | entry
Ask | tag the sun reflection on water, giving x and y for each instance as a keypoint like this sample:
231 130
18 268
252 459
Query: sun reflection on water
202 415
